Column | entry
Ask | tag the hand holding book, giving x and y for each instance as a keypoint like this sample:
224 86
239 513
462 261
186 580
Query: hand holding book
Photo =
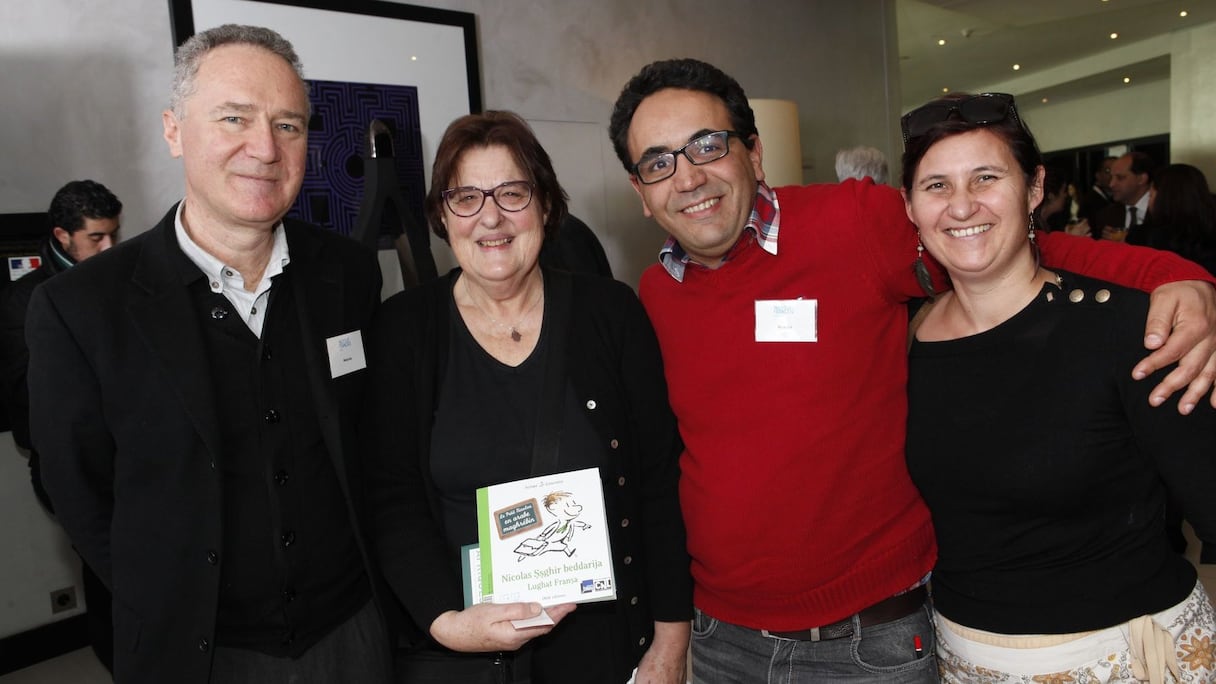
486 627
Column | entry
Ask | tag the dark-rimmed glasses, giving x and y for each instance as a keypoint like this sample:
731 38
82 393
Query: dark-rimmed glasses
709 147
984 108
467 200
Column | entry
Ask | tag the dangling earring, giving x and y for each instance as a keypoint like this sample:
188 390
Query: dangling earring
921 270
1034 245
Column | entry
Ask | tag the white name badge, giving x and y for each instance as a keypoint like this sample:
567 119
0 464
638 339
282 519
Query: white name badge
787 320
346 353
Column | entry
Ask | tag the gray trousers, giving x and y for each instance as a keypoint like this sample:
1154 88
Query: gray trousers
356 652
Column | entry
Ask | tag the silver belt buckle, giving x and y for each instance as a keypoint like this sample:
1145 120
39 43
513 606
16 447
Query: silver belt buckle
814 635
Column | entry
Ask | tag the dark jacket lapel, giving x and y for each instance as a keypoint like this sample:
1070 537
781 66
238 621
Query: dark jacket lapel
162 312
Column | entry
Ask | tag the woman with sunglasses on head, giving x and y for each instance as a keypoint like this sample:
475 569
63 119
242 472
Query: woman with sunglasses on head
1053 564
504 370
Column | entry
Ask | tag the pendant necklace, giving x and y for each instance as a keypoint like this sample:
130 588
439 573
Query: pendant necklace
513 329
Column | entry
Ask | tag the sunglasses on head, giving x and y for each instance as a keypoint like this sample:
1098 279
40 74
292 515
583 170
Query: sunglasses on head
985 108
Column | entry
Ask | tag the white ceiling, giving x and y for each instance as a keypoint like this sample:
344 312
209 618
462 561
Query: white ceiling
1063 46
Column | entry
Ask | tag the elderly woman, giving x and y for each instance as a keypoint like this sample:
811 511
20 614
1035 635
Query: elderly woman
490 365
1053 562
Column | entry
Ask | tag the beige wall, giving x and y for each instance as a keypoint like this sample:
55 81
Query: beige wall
561 65
1132 112
1193 99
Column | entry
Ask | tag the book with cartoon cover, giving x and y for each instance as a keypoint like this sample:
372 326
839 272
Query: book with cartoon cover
542 539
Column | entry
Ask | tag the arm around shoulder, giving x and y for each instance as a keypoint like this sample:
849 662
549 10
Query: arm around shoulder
1181 325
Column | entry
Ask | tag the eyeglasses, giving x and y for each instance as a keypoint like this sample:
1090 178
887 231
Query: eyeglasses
467 200
703 150
984 108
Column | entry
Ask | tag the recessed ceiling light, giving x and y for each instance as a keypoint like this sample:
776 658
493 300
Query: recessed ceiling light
945 90
1182 13
1044 100
1127 79
1017 66
413 58
941 41
1114 35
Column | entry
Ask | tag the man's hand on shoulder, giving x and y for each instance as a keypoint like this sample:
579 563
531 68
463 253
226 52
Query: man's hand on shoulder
1181 327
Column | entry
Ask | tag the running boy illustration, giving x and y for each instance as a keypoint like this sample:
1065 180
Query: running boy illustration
559 535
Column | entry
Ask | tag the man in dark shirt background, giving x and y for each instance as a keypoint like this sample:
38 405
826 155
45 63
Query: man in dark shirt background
84 220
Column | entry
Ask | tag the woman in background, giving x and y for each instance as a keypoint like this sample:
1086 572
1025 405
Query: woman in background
1183 214
1053 564
470 387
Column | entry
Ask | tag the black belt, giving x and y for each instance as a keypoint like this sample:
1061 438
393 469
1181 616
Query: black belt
894 608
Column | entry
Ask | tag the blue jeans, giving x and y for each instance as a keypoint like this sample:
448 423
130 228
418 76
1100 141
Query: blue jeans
723 653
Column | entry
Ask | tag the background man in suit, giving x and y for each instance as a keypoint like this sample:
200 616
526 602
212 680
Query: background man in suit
193 395
1131 176
84 220
1098 196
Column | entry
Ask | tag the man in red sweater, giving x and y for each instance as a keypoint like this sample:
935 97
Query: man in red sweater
786 368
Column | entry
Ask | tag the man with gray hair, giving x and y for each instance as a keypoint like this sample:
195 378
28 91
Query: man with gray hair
861 162
193 393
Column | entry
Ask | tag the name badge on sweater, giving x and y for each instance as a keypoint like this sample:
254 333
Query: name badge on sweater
787 320
346 353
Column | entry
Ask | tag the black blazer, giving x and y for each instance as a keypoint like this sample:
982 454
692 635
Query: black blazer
1092 203
1115 215
14 357
613 363
123 412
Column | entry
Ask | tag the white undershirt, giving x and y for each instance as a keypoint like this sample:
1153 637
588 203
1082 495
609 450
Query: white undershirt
225 280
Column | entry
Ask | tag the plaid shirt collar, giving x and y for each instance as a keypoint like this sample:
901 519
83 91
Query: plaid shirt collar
762 225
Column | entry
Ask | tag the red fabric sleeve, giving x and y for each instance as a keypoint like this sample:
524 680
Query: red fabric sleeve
1137 267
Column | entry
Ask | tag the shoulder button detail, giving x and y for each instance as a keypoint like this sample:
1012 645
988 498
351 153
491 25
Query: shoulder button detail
1102 296
1076 296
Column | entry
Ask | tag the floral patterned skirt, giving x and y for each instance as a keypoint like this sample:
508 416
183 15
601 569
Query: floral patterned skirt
1176 645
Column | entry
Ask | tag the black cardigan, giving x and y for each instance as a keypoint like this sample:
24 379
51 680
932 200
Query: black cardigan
614 365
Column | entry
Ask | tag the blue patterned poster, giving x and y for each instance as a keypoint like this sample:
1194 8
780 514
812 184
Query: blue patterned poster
337 142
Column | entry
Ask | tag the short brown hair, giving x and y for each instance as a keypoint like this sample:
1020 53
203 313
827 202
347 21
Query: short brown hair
496 128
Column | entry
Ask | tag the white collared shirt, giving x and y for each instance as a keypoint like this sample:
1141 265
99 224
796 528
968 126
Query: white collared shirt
1141 210
226 280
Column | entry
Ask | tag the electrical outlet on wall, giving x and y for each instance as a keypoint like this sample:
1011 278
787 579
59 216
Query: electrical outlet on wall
63 599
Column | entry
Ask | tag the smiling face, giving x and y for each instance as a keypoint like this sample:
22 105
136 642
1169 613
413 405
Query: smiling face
703 207
971 202
242 138
493 245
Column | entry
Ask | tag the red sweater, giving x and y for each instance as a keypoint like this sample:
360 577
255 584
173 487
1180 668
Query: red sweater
798 504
